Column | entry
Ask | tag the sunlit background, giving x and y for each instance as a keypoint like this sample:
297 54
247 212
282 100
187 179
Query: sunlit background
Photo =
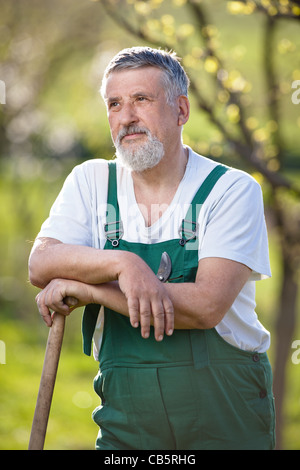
243 58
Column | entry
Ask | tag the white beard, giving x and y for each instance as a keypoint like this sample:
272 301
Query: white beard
144 155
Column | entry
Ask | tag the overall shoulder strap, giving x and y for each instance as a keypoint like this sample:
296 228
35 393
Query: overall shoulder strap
112 197
189 223
113 227
209 183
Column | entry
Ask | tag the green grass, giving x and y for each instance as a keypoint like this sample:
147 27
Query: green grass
70 425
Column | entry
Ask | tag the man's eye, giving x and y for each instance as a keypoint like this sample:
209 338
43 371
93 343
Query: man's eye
113 104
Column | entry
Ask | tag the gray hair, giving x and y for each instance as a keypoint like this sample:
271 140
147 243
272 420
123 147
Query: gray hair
175 79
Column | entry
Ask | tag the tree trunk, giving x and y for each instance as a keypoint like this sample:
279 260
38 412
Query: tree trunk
285 327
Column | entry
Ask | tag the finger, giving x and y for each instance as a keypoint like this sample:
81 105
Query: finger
70 301
133 311
158 320
169 316
50 300
145 317
44 310
55 302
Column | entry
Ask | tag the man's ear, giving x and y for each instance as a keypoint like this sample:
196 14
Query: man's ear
183 109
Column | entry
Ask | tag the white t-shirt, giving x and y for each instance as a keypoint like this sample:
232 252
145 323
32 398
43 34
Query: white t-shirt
231 225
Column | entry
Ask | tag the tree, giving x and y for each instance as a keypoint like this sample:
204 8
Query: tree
37 39
253 127
49 121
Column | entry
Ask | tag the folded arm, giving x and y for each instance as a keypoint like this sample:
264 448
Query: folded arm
51 262
199 305
51 259
90 276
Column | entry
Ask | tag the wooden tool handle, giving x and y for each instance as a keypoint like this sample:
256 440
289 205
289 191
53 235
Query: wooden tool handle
44 399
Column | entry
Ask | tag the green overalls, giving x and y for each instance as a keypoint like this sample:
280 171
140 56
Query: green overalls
191 391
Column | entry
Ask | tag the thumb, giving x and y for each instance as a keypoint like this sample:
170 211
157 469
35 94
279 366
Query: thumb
70 301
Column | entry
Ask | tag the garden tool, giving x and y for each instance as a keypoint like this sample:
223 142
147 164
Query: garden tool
44 399
165 267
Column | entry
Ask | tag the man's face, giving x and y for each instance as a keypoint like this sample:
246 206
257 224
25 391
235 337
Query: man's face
141 121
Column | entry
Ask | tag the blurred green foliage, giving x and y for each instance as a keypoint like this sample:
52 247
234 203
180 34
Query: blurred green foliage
70 424
52 55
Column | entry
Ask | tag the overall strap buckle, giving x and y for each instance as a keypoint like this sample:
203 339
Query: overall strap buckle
188 231
114 231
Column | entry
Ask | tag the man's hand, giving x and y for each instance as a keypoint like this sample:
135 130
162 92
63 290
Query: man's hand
147 299
62 296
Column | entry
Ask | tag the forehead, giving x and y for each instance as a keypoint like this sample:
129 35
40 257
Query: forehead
130 81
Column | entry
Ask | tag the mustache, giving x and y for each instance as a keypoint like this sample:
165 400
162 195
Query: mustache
131 130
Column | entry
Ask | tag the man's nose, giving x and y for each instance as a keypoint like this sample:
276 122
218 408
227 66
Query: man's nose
128 114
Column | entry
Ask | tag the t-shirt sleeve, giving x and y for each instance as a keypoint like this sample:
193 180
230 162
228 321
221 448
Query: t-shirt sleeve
236 228
70 216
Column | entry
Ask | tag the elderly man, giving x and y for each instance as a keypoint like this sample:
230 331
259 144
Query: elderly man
163 246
